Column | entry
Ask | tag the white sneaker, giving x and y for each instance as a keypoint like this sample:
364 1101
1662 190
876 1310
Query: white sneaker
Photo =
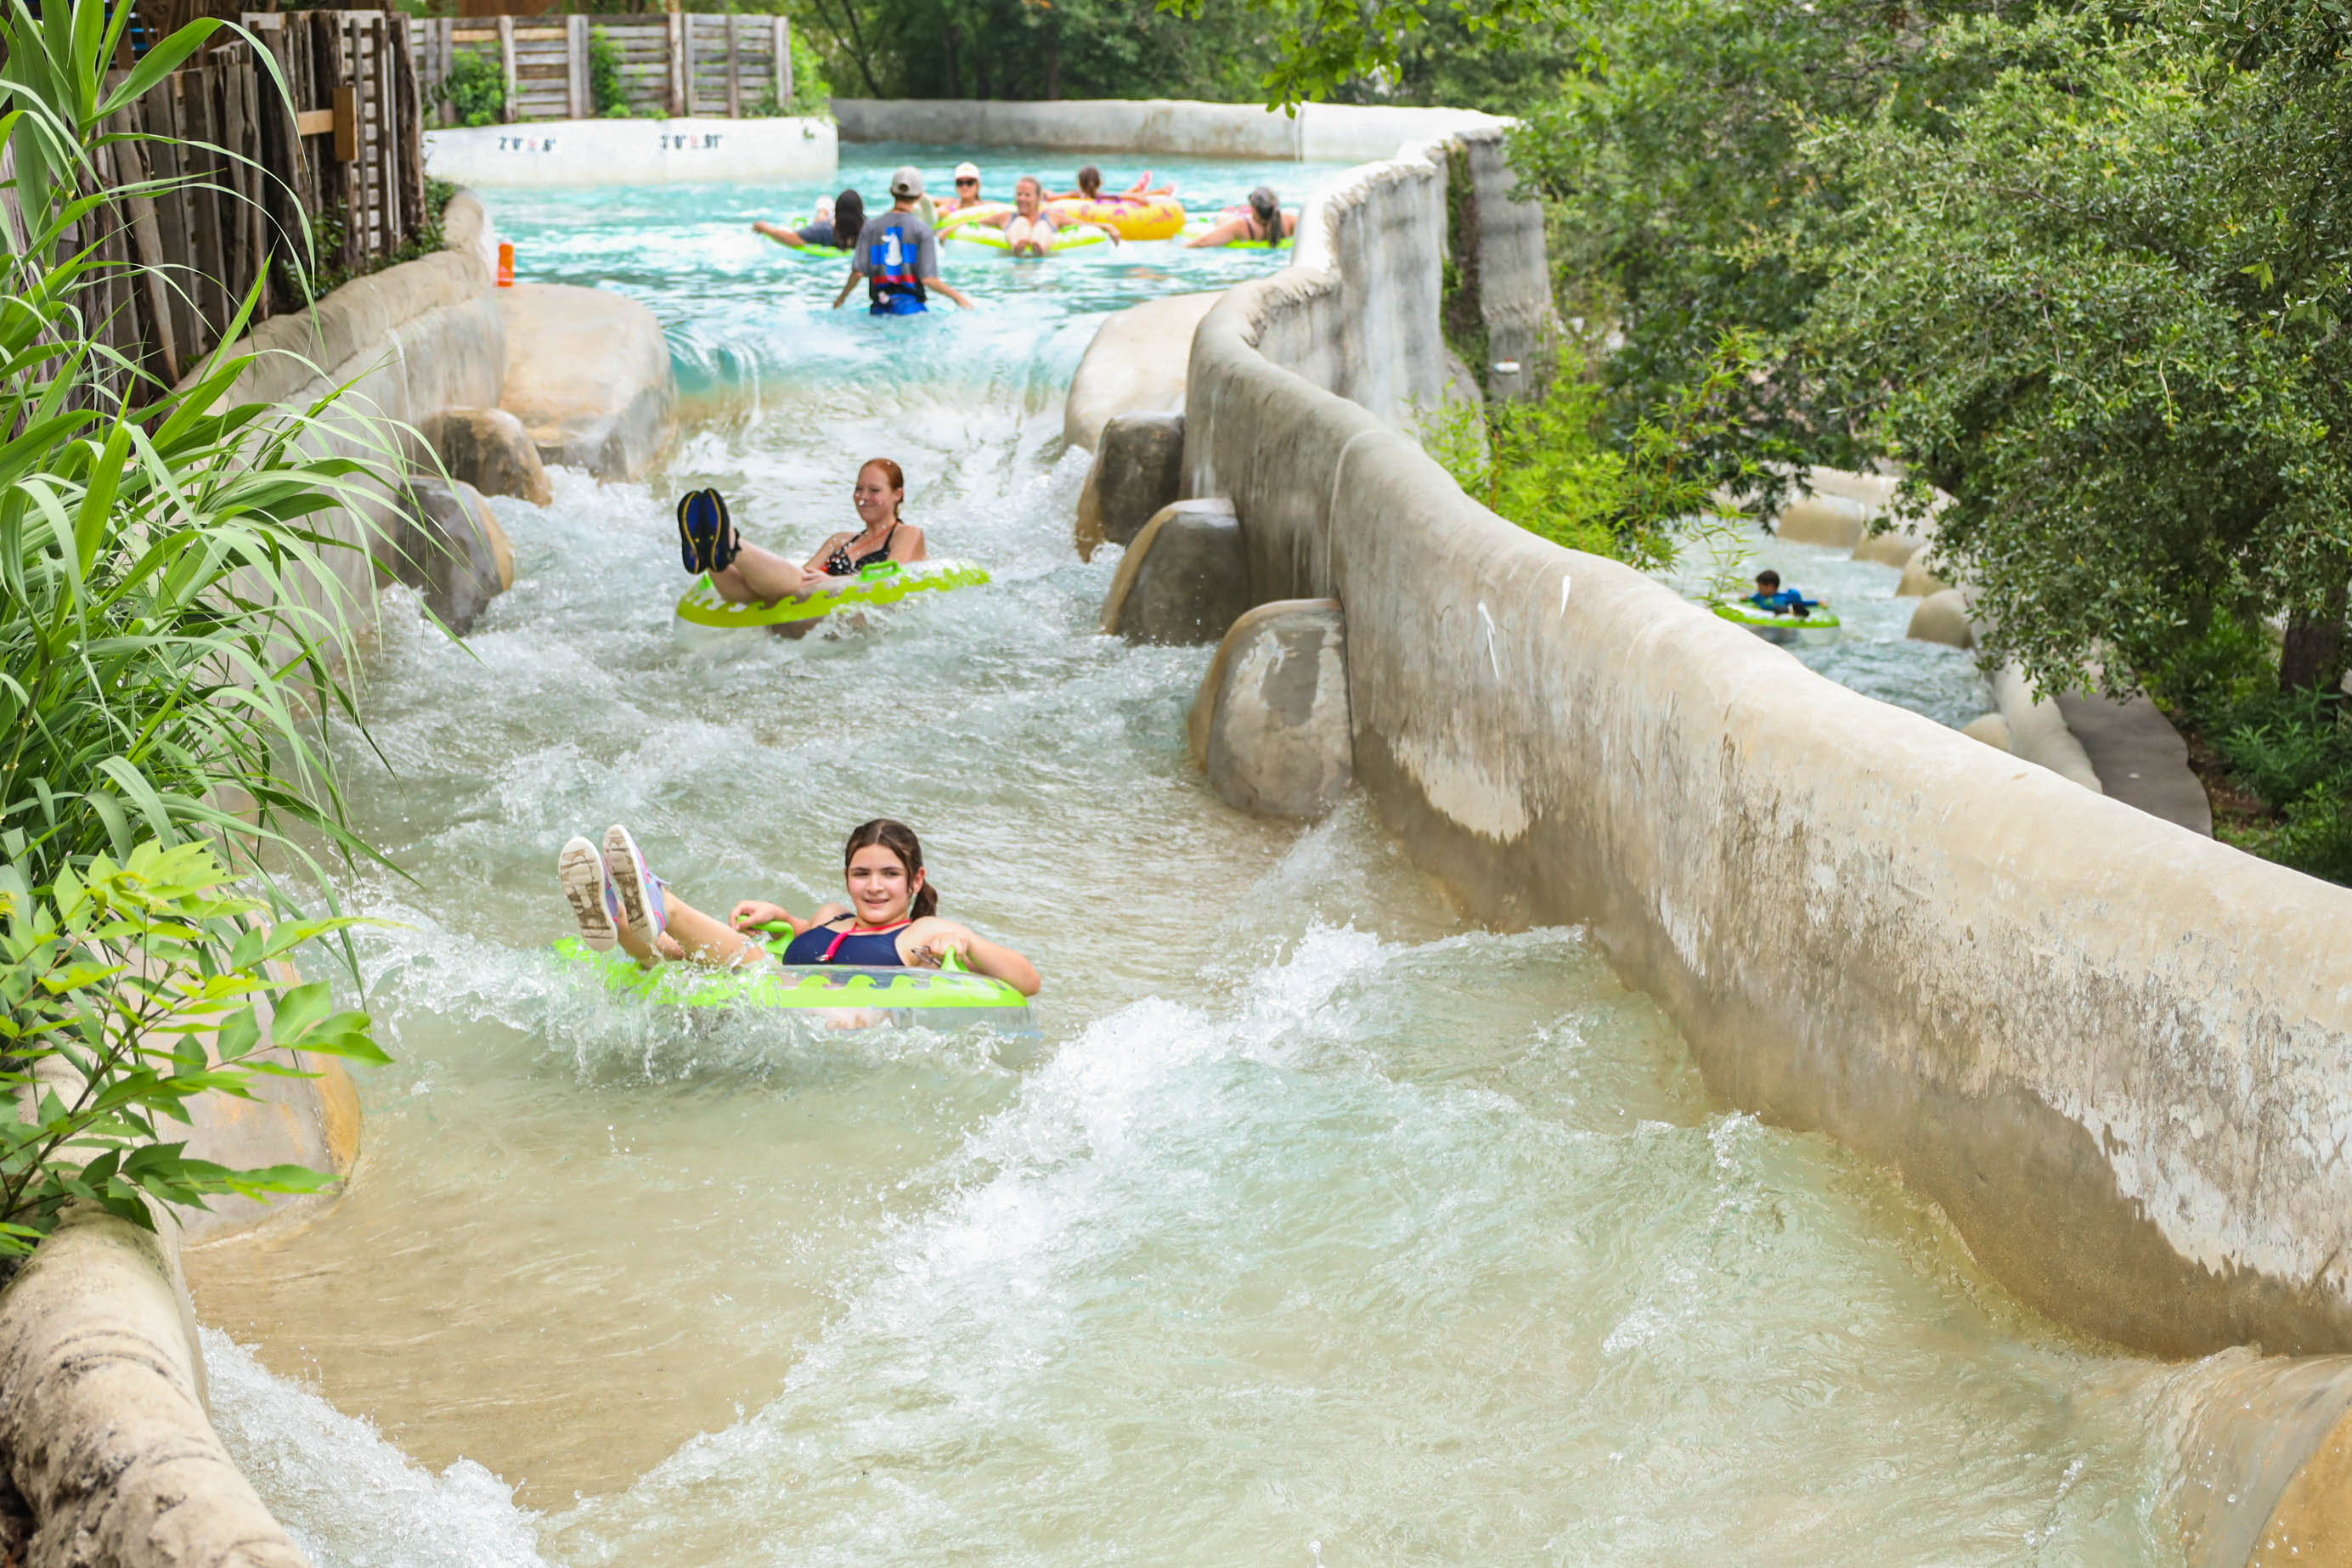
581 869
640 891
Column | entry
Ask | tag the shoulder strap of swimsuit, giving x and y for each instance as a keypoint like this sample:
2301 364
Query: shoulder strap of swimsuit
841 936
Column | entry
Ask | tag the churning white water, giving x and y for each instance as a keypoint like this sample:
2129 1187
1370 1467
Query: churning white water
1319 1229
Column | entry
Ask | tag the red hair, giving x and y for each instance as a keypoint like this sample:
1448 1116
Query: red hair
892 472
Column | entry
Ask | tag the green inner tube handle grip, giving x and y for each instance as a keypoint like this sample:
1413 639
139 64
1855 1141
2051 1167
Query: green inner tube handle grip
878 570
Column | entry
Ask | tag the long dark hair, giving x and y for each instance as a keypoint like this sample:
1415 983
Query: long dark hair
900 840
1267 209
848 217
1090 181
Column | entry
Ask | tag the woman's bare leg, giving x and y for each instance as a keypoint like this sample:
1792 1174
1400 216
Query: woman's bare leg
695 936
758 577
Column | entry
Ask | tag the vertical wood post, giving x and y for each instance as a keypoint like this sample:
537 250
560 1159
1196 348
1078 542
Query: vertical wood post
408 131
734 71
506 65
783 64
389 184
445 41
583 103
680 87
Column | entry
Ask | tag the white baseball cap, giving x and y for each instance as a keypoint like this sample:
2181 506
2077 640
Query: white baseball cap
967 172
907 181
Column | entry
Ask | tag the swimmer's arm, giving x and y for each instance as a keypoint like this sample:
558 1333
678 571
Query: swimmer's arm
815 567
1220 235
950 289
781 235
932 937
846 287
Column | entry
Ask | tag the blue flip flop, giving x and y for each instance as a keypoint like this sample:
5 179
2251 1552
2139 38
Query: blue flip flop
705 534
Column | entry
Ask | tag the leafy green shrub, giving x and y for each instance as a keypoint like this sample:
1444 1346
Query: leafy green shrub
476 88
171 616
1549 465
126 991
812 93
607 88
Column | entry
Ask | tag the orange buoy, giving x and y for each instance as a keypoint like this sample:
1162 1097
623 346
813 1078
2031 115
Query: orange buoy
506 264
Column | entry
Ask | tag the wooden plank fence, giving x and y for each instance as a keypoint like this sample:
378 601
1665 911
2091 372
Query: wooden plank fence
344 163
683 63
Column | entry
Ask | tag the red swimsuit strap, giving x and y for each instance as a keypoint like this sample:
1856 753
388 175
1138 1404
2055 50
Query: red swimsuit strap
841 936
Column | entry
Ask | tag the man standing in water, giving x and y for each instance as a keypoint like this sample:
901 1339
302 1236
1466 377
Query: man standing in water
898 256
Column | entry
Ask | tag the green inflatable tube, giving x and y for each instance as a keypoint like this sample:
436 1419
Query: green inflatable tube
946 998
988 237
883 583
1752 614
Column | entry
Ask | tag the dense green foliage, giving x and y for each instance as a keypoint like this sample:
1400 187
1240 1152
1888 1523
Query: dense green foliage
172 620
476 89
101 1053
2083 265
1551 467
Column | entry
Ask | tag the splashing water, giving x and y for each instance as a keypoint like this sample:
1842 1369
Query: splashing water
1319 1228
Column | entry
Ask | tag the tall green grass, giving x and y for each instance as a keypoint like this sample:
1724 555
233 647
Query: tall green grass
172 617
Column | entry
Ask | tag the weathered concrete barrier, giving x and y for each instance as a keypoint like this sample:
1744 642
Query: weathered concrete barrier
1139 468
1135 364
102 1412
1184 580
1270 725
2113 1050
1318 133
633 152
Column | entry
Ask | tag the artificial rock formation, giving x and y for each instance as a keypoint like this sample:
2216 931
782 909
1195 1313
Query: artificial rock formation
1139 468
447 544
1184 580
588 374
1943 617
490 449
1270 725
1134 365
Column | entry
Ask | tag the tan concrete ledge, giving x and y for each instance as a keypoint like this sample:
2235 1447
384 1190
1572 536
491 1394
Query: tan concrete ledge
102 1414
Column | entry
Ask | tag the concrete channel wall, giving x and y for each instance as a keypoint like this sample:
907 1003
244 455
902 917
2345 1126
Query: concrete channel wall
2117 1054
1318 133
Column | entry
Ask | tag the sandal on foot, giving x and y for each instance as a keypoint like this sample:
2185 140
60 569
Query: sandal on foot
580 867
638 891
705 534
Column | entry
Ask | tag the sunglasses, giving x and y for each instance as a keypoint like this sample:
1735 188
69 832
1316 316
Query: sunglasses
967 182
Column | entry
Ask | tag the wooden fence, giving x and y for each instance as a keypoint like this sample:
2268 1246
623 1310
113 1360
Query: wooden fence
685 63
343 168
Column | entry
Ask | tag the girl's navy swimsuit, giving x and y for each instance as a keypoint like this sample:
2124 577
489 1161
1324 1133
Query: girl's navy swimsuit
867 950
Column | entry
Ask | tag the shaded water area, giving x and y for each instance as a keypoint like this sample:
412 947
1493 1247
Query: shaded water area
1320 1227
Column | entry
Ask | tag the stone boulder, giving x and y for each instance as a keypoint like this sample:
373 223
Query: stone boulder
588 374
1824 519
1990 728
1943 617
489 449
1139 468
1270 726
1893 548
1136 364
1919 578
1184 580
446 543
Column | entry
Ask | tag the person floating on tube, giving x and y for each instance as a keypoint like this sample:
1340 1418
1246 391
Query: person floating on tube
898 256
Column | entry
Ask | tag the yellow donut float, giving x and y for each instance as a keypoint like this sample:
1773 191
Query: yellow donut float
1131 217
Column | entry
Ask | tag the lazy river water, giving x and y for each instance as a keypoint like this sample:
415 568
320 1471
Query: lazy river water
1321 1227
